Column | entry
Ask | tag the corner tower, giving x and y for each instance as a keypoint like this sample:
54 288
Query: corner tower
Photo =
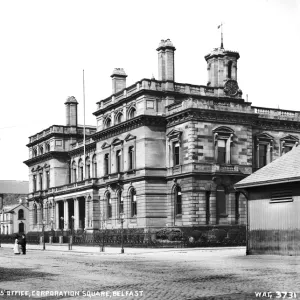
222 70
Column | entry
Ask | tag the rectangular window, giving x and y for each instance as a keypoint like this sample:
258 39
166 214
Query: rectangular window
41 182
221 202
34 183
118 160
48 179
221 151
282 195
287 149
106 164
131 158
262 155
176 154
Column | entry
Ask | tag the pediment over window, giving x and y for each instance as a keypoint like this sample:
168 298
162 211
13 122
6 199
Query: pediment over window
130 137
264 136
116 142
223 130
105 145
174 134
290 139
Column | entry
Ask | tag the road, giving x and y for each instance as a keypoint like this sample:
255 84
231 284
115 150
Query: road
183 274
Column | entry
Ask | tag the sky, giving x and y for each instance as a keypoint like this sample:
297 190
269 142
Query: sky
46 45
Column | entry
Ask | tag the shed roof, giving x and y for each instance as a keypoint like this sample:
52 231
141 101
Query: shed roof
14 187
284 169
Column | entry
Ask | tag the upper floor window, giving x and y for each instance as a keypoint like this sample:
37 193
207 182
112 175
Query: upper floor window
264 148
47 147
80 166
87 168
74 172
41 150
107 123
34 152
106 164
119 118
131 158
132 196
132 113
47 179
223 140
178 201
118 161
288 143
94 166
41 181
21 214
34 183
174 138
229 69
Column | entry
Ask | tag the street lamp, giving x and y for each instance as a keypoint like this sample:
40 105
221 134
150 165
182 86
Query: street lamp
43 223
122 229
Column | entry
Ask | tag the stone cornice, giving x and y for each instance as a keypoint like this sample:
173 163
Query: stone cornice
46 156
79 150
142 120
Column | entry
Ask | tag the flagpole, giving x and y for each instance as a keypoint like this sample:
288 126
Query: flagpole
83 128
222 36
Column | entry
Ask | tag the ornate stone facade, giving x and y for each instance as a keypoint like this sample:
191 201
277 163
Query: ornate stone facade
162 154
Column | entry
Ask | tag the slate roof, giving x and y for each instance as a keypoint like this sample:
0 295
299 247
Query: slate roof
283 169
14 187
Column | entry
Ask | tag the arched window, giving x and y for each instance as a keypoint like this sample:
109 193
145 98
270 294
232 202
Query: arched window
34 183
178 201
80 169
74 172
229 69
87 168
132 196
47 179
41 150
94 162
47 147
120 203
34 152
21 214
131 158
34 212
107 123
119 118
132 113
109 206
41 181
46 213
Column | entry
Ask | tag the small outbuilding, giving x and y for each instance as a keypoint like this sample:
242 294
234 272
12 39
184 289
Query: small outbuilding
273 206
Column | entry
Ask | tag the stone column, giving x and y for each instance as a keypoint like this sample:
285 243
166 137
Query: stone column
56 220
76 214
87 204
213 208
66 215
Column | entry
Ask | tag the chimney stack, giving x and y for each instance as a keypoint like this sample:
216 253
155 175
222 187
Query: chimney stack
71 111
118 80
166 60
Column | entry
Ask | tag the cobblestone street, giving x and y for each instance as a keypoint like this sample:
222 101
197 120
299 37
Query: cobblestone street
166 274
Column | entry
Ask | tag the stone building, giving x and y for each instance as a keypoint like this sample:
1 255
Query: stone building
162 153
13 206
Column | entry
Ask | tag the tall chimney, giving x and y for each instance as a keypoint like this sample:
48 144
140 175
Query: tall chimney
166 60
118 80
71 111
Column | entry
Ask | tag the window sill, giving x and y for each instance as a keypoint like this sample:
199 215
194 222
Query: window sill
223 215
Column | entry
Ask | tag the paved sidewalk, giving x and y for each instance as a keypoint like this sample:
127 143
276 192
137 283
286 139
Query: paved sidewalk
114 250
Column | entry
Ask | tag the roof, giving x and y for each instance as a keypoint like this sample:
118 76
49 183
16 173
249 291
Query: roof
284 169
11 208
14 187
